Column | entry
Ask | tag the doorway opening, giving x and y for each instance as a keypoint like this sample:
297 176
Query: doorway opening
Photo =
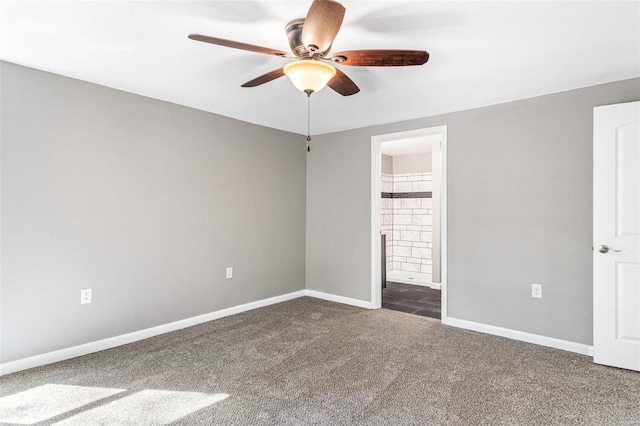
408 217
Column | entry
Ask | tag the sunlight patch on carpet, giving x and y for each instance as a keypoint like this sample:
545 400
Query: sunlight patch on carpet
48 401
147 407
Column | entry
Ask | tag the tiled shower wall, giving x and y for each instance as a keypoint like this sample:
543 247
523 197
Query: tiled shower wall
407 220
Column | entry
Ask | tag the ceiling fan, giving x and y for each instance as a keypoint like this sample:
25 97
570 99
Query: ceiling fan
310 40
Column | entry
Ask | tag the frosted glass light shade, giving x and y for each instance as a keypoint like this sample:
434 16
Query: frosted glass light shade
309 74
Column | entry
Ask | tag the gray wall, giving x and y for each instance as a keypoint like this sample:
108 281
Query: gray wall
144 201
519 210
414 163
387 164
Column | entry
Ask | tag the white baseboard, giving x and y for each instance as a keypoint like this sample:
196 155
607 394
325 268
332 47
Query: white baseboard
551 342
339 299
100 345
123 339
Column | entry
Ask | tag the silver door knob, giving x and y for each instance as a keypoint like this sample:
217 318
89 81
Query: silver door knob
605 249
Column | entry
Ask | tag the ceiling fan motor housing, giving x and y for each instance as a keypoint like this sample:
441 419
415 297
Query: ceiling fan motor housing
294 34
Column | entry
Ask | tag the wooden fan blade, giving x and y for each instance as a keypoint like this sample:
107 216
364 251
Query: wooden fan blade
381 58
236 44
322 24
264 78
343 84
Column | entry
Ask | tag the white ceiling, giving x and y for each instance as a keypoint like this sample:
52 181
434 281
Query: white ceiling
482 53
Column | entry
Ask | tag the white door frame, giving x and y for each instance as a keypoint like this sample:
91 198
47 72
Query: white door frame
376 170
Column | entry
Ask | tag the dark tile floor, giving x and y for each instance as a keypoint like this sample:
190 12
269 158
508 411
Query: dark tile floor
413 299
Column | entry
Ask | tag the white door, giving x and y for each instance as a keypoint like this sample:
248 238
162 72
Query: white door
616 235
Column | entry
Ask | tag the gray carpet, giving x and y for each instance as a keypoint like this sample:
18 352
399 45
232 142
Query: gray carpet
309 361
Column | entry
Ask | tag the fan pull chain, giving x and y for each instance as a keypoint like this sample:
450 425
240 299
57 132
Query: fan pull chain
308 121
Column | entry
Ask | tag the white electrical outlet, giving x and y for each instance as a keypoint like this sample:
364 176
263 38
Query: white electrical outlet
85 296
229 272
536 291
